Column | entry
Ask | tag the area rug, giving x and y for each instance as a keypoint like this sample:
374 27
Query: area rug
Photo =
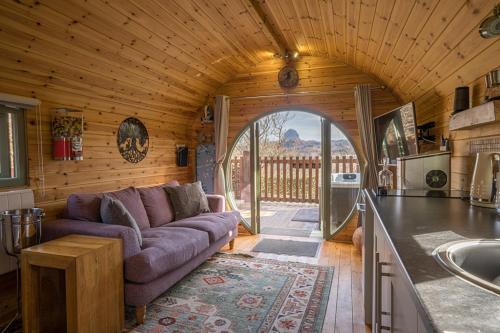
307 215
285 232
287 247
236 293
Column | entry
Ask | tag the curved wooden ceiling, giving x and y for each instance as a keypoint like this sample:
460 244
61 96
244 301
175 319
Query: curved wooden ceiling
181 51
413 46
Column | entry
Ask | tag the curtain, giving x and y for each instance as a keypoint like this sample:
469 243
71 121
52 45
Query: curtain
221 119
363 101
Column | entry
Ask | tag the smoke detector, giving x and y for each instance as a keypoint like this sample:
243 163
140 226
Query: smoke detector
490 27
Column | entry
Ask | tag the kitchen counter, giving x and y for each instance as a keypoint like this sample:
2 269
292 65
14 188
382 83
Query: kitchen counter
416 226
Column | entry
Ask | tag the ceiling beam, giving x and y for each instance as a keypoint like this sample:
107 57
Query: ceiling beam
267 27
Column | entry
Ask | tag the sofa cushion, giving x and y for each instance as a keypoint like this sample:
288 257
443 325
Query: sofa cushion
157 205
188 200
84 207
114 212
217 225
164 249
131 199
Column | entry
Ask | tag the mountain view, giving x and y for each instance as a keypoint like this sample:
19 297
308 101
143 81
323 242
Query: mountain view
294 145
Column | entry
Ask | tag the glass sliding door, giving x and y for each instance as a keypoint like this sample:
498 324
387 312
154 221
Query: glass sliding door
255 178
238 173
325 181
243 177
343 180
295 173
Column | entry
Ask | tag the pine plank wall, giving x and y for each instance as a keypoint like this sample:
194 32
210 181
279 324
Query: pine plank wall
78 68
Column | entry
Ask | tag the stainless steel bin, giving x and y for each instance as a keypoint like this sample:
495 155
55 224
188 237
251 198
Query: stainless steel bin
21 228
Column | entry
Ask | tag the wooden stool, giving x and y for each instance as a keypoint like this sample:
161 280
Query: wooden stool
73 284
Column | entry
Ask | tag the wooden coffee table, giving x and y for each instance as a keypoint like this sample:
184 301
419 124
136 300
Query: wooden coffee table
73 284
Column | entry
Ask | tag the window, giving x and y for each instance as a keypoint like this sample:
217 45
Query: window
12 147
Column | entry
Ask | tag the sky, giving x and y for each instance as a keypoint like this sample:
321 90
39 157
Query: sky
308 126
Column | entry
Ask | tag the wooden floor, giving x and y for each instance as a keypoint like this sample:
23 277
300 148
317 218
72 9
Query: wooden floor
345 306
7 297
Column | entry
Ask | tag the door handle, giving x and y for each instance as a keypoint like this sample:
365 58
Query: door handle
361 207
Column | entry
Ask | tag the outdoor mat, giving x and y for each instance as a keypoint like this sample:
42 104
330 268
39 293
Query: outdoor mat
235 293
287 247
307 215
285 232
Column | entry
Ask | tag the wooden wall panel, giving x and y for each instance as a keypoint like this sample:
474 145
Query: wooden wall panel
103 169
316 74
41 59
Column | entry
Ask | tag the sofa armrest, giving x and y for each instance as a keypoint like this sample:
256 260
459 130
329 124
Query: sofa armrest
217 203
62 227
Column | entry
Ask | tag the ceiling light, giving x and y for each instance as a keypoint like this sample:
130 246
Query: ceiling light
490 27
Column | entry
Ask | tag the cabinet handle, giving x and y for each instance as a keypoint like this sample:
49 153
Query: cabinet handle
378 295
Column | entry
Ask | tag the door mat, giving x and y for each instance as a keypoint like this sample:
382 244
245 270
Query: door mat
231 293
285 232
307 215
287 247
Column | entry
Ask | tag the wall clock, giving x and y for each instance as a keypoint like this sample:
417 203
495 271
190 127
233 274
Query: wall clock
132 140
288 77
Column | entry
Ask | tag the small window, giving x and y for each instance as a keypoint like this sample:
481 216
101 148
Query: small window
12 147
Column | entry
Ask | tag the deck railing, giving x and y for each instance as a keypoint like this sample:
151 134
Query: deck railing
290 179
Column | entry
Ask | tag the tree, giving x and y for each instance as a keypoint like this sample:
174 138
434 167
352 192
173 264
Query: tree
271 135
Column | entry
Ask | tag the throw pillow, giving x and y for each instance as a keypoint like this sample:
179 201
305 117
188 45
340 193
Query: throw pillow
131 199
188 200
114 212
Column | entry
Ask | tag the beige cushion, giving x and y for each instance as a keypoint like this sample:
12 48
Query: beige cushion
188 200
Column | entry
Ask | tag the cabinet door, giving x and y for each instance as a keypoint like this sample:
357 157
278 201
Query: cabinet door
404 311
382 286
421 328
378 250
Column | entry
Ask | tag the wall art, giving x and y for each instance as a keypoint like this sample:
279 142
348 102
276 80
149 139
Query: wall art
133 140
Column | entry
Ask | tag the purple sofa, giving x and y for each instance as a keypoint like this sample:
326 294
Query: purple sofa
170 249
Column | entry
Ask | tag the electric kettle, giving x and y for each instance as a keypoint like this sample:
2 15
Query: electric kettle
483 191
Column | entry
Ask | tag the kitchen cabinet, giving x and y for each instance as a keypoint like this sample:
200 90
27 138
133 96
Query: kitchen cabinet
394 305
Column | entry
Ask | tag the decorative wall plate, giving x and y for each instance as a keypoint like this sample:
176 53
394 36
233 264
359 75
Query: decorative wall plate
133 140
288 77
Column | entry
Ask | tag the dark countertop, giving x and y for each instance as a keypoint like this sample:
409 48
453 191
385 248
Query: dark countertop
416 226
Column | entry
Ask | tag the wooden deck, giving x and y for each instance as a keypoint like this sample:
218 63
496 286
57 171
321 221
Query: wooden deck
280 215
344 313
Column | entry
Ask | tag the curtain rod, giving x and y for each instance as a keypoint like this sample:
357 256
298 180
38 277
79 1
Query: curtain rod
303 93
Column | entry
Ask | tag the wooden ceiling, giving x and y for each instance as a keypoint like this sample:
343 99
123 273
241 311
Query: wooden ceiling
174 52
413 46
178 52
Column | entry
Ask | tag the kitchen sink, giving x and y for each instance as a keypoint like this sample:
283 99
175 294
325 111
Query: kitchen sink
476 261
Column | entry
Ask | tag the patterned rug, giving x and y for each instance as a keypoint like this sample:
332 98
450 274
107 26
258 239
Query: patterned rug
238 293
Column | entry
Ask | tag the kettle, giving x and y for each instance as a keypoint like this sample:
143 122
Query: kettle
483 191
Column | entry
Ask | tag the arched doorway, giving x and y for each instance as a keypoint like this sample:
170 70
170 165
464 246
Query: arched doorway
275 175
